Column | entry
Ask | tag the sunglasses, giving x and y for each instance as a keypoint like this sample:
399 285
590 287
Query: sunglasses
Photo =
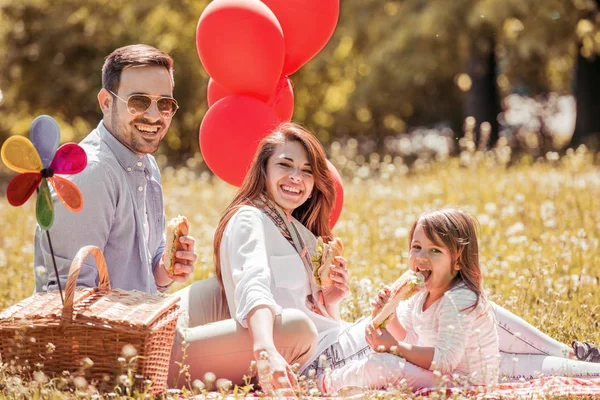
139 103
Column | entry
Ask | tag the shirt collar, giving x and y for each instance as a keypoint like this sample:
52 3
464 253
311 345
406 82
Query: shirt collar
126 158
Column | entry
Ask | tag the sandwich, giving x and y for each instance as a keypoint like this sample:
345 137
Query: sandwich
324 259
403 289
176 228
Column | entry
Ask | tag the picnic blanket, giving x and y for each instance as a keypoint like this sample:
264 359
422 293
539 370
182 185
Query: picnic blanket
540 388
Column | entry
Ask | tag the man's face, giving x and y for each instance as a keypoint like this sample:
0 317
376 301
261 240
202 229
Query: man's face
143 132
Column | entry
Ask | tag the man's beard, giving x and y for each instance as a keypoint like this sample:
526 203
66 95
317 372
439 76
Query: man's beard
127 134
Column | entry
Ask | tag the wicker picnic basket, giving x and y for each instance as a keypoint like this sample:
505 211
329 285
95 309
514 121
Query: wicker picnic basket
94 323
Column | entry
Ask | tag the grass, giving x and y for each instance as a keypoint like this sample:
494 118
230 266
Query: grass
539 235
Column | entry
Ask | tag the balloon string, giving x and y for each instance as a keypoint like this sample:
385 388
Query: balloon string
55 269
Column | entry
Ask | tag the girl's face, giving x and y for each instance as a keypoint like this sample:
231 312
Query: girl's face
290 179
434 262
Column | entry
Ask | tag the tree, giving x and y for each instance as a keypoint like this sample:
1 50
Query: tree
390 65
483 99
587 85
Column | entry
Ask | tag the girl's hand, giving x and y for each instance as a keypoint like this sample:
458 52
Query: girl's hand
340 288
379 342
275 375
381 298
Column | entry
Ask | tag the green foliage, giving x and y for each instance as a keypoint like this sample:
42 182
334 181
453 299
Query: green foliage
389 65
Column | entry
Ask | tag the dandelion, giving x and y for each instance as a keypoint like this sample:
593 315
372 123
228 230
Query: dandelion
198 385
401 233
87 363
210 378
40 377
224 384
80 383
491 208
128 351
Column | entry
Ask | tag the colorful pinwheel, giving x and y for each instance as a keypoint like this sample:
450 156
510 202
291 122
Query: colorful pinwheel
37 161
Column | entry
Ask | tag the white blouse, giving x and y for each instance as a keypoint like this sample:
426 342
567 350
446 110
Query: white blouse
465 342
260 267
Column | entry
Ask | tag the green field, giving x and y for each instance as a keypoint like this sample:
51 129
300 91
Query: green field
539 230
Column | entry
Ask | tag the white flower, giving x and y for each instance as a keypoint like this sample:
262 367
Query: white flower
401 233
198 385
209 377
225 384
491 208
128 351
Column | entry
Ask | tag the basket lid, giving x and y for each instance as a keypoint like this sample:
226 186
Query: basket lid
41 305
130 308
114 307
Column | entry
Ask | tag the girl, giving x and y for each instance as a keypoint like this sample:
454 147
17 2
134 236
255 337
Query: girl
449 327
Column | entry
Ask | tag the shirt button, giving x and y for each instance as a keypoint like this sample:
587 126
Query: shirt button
128 169
140 188
139 164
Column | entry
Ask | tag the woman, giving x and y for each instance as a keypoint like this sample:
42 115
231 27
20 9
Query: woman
263 248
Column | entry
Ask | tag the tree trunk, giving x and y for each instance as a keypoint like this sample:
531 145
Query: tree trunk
587 95
483 101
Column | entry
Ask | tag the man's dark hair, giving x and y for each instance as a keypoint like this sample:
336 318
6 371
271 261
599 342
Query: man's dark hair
129 56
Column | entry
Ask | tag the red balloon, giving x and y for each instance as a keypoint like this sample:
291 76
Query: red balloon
339 195
230 133
240 44
307 27
215 92
283 101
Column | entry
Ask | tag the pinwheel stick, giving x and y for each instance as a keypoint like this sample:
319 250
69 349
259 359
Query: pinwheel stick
44 172
55 269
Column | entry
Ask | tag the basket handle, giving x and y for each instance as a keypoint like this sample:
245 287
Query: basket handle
81 255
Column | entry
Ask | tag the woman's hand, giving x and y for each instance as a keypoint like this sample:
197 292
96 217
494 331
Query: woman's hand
380 342
334 294
275 375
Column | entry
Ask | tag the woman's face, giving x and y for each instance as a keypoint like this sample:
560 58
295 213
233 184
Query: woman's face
290 179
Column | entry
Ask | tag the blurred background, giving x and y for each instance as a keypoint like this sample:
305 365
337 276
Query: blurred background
397 77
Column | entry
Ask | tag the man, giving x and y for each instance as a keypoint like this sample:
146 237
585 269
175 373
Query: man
121 185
